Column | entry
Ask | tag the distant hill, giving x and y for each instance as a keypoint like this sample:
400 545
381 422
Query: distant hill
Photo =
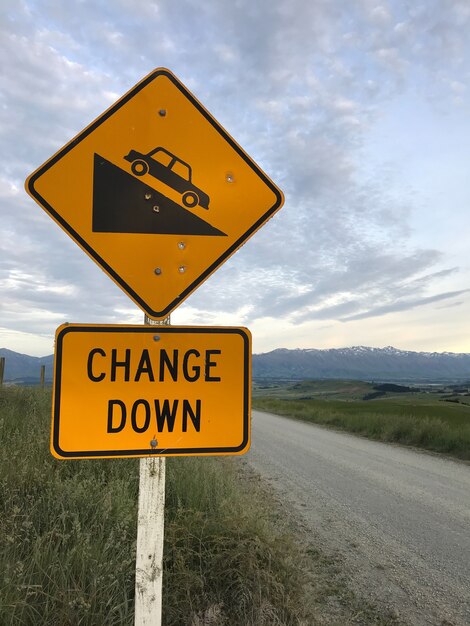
362 363
24 369
357 363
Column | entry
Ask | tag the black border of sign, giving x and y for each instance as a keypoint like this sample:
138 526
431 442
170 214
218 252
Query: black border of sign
63 331
94 255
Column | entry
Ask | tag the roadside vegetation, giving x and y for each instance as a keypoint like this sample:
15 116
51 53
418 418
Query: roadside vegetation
432 418
68 531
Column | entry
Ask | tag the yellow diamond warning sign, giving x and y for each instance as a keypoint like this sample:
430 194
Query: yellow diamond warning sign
125 391
156 192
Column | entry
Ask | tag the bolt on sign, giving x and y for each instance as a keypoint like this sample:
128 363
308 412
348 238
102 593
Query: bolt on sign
130 391
156 192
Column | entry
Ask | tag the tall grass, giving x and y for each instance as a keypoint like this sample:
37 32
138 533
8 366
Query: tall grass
403 425
68 532
224 557
67 529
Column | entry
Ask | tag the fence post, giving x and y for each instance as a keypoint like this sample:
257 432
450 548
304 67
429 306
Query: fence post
2 368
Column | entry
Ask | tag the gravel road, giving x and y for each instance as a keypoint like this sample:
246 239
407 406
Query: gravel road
399 519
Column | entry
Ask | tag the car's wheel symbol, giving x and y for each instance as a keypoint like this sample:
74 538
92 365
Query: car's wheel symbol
190 199
139 168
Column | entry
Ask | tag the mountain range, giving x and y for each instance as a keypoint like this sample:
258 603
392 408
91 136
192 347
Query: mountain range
362 363
358 362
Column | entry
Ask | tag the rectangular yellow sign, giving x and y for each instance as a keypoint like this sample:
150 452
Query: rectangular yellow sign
133 391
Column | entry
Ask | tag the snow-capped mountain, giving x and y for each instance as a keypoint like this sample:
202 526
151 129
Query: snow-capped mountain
360 362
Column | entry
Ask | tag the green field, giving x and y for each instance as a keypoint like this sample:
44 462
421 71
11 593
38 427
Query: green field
431 417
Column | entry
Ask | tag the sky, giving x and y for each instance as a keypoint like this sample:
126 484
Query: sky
358 110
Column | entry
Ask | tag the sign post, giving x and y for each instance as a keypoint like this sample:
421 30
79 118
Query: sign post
150 532
150 535
150 391
159 195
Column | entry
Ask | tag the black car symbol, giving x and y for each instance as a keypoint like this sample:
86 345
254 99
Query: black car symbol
171 170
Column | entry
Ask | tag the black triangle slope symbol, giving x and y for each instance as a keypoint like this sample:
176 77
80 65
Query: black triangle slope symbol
123 204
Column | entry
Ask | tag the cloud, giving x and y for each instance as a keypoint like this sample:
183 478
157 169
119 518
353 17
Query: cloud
298 84
403 305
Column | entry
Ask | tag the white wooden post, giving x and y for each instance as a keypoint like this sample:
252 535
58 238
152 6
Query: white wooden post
149 561
150 529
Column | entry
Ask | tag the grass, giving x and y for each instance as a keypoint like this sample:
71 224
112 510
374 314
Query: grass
226 559
66 529
68 532
416 419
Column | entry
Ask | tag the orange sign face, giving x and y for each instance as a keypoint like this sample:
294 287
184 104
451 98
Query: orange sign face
156 192
132 391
